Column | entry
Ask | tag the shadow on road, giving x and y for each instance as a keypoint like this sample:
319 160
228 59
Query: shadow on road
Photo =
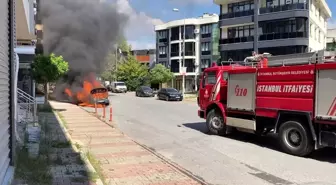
270 141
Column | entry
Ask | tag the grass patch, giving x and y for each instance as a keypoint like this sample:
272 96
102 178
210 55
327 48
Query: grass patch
63 122
78 179
96 165
78 146
32 171
56 144
91 176
79 161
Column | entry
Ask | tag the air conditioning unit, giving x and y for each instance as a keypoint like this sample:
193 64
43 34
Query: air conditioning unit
196 31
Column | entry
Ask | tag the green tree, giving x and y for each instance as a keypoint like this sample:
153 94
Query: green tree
133 73
160 74
48 68
124 46
114 58
109 72
333 44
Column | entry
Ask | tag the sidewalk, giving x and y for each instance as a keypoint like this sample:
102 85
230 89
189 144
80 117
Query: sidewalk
122 161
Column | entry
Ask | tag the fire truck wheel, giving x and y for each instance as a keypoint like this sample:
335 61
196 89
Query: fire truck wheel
295 138
215 122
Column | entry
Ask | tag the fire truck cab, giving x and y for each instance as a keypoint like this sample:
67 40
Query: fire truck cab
293 96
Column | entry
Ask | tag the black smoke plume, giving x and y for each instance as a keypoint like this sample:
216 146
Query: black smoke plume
82 31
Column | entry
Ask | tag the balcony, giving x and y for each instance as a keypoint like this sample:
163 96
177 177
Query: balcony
237 14
162 55
188 36
236 40
276 36
189 53
25 23
236 18
190 69
284 12
175 69
174 54
281 8
205 35
174 38
205 52
240 43
283 39
163 40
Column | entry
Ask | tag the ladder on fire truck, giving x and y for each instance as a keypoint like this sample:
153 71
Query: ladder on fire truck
287 60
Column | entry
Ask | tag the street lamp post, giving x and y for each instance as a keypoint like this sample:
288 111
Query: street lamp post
183 52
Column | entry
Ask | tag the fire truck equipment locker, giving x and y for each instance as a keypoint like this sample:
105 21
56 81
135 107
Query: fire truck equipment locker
241 96
325 101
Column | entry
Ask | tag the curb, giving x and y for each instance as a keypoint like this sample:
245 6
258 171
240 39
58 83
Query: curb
68 136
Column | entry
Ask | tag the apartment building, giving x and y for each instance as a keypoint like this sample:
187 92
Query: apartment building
25 45
7 104
331 39
145 56
201 47
274 26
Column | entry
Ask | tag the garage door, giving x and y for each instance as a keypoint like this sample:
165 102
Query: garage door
4 89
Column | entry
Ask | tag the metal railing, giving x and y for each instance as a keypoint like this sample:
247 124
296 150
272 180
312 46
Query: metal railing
237 14
280 8
27 106
286 60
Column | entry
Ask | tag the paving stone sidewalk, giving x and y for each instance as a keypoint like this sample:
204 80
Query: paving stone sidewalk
122 160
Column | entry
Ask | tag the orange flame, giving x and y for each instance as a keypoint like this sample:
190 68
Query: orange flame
84 97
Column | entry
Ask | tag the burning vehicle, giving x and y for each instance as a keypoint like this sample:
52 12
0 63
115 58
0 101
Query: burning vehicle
85 90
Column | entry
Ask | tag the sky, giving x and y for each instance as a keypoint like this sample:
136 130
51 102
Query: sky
145 14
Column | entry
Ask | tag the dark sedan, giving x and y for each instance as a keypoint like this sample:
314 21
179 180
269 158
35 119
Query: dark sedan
144 91
169 94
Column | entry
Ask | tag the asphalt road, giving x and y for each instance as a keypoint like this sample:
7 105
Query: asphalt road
174 130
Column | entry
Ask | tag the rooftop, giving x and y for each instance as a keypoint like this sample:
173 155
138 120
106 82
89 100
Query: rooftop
206 18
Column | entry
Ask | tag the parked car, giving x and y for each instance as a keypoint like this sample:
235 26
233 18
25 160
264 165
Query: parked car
144 91
169 94
118 87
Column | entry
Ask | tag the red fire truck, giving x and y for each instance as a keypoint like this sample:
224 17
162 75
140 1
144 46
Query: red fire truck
293 96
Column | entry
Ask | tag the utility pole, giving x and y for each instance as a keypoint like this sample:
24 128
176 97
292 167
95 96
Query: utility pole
116 60
183 52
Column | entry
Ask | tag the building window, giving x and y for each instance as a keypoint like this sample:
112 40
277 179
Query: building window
163 34
205 63
175 50
240 7
190 31
162 50
241 31
311 30
206 29
205 46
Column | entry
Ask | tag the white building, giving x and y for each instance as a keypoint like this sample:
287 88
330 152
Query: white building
331 38
283 26
201 47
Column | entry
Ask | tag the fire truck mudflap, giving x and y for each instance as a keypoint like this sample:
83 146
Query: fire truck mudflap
325 102
241 97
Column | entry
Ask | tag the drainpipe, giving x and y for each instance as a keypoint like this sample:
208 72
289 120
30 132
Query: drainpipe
12 104
256 26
